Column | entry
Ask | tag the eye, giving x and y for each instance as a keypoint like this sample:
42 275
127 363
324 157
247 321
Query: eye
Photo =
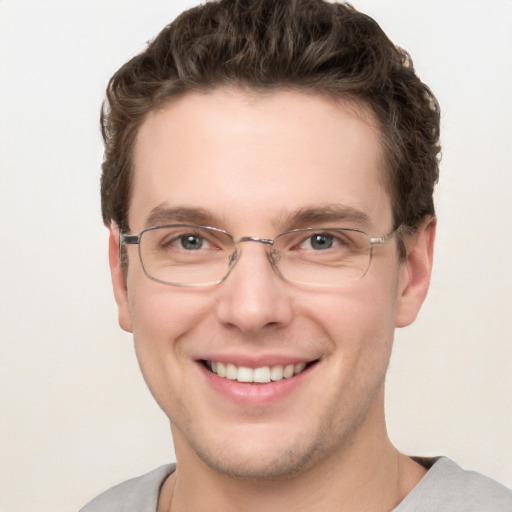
180 240
319 242
191 242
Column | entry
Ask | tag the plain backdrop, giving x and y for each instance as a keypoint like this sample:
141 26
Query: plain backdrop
75 415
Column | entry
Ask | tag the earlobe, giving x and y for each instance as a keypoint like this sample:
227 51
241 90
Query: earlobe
118 280
415 272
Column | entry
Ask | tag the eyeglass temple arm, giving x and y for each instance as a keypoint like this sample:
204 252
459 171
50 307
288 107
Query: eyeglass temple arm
384 239
125 239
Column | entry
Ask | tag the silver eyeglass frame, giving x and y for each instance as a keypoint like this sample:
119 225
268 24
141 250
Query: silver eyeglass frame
130 239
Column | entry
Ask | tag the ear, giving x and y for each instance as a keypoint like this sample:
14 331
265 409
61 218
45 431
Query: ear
415 272
119 280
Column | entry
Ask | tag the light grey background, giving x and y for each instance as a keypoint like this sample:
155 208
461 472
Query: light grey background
75 416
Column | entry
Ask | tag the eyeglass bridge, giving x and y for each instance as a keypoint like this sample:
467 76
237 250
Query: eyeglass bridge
273 255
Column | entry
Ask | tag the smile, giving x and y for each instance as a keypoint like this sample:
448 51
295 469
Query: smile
261 375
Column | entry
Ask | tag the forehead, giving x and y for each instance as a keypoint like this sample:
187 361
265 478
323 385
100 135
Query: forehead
241 156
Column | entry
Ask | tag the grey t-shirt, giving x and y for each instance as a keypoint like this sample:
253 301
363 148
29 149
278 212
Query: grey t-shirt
445 488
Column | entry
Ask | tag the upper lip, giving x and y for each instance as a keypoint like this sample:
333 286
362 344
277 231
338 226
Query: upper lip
251 361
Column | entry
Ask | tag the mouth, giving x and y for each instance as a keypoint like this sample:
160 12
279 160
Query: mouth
260 375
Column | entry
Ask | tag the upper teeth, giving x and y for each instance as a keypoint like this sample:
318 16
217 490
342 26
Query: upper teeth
260 375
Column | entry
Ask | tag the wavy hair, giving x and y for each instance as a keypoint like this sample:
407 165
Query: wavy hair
307 45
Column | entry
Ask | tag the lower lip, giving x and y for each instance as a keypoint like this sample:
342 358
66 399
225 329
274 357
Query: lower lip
255 395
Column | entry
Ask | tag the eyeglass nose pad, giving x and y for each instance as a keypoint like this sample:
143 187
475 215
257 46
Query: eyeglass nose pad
233 257
274 257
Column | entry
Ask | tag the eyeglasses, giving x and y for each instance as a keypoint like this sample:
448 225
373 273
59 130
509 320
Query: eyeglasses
189 255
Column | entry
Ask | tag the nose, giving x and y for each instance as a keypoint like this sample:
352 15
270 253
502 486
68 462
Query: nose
253 297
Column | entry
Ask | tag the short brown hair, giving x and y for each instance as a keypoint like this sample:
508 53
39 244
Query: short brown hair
307 45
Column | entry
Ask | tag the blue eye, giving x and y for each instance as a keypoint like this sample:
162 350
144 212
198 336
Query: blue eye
191 242
321 241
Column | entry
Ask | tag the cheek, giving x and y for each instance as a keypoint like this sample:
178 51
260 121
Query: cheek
160 317
160 311
359 322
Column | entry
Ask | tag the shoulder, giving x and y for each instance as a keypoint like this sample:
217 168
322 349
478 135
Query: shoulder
135 495
449 488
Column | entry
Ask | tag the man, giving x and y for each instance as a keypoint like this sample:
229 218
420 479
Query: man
267 183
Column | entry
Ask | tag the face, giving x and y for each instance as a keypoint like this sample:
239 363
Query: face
250 164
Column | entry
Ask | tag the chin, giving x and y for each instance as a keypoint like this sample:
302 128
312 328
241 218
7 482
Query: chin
260 457
272 467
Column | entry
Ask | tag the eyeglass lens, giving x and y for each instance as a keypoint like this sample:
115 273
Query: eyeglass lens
191 255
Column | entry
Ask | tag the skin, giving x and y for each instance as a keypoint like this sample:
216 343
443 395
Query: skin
251 161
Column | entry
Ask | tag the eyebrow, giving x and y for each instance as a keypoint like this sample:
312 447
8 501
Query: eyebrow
304 217
163 214
321 215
